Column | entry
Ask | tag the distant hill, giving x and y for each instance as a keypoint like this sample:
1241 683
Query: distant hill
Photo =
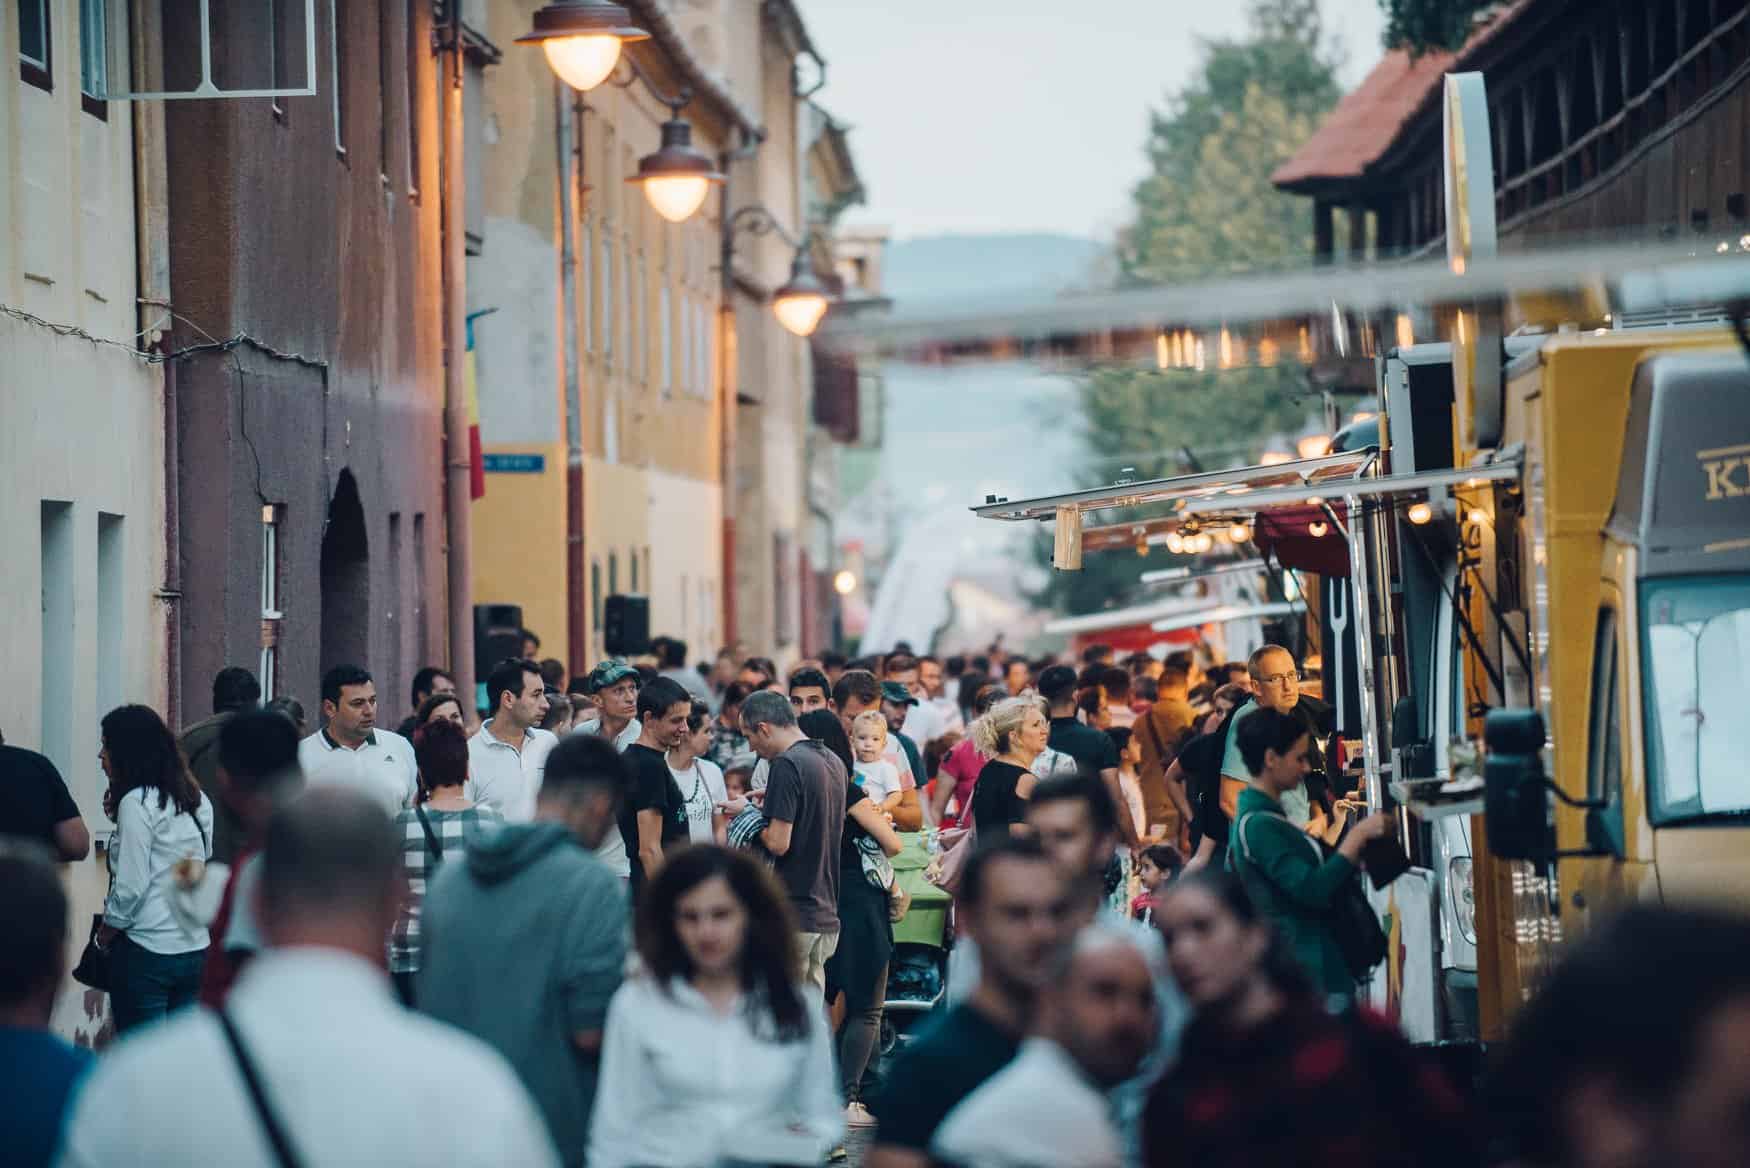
941 266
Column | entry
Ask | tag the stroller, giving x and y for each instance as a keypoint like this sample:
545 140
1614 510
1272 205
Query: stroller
917 973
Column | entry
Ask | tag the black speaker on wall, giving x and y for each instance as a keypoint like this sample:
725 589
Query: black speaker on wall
626 625
498 633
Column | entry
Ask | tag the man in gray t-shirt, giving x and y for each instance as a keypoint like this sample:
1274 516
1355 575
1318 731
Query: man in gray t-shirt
805 808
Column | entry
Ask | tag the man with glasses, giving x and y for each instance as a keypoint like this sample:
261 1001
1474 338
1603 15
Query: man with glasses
1276 686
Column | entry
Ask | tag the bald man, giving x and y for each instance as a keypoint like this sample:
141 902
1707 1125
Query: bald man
1095 1025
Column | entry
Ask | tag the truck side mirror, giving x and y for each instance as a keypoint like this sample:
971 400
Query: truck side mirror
1515 799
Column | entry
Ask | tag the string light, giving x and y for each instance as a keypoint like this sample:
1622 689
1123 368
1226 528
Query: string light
1317 528
1420 513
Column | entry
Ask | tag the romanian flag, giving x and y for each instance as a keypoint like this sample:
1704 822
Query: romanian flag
471 389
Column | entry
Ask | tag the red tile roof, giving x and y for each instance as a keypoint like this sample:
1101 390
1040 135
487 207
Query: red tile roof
1369 119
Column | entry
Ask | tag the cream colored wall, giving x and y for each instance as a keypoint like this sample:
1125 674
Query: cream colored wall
617 515
81 422
686 562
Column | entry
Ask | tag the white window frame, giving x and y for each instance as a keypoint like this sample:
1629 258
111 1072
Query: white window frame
270 599
206 88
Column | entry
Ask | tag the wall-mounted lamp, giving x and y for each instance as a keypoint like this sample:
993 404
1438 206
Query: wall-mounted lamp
582 39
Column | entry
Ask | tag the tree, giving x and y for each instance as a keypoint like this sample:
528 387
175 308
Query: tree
1207 207
1424 25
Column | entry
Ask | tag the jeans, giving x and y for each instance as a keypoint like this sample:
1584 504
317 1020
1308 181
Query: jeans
858 1036
146 986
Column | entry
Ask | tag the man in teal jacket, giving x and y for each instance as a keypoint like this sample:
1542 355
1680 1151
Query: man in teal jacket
1290 879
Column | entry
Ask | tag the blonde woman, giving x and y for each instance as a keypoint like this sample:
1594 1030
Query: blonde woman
1012 735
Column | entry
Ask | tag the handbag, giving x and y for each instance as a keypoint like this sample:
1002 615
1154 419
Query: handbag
1354 927
946 870
877 868
96 964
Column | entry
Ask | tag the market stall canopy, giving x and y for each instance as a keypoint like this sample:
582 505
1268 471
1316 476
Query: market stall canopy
1223 614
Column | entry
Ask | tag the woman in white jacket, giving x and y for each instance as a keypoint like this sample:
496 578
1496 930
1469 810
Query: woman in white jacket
717 1053
161 820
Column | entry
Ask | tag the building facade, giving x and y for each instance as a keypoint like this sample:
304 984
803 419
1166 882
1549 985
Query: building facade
82 424
304 252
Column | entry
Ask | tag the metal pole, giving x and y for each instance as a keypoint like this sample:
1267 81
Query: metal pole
458 466
569 128
1360 583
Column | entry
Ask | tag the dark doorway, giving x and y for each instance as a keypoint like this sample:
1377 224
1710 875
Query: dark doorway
346 579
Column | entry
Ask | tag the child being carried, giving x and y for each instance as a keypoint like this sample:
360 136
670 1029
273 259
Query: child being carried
878 777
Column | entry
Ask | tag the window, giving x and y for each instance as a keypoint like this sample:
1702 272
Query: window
666 341
1695 643
386 40
93 58
633 568
1604 748
337 70
606 293
268 671
35 63
57 634
613 573
595 595
418 50
111 610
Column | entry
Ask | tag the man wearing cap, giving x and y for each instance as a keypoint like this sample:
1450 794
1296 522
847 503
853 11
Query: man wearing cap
1094 751
897 704
613 687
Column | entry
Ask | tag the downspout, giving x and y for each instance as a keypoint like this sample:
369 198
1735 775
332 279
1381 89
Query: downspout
728 391
151 235
459 502
568 121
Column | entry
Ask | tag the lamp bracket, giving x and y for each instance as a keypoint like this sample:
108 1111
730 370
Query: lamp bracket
675 101
758 221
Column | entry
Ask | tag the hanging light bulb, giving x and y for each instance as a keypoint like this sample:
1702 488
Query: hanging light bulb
1175 543
677 177
802 301
1240 533
582 39
1317 528
1420 513
1478 516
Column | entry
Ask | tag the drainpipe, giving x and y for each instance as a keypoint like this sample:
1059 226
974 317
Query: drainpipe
459 502
568 106
728 362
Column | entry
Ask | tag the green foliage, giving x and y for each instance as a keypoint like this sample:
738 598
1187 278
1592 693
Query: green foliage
1427 25
1207 207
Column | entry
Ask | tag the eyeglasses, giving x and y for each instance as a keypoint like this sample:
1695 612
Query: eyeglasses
1280 678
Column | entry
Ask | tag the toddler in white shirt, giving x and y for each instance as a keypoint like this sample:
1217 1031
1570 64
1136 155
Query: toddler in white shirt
878 777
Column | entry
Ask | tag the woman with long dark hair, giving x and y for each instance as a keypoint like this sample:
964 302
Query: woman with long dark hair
163 825
717 1052
1266 1075
858 967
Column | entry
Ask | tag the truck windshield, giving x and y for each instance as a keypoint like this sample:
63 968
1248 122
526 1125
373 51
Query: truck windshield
1696 646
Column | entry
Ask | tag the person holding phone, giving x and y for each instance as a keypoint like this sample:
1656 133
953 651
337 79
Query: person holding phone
1294 883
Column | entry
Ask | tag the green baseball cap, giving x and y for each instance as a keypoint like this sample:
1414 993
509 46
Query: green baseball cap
892 691
606 674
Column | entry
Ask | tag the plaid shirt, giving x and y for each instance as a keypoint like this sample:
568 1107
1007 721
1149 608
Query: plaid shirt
454 830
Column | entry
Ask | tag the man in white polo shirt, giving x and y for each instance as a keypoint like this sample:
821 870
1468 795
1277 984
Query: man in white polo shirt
508 755
351 751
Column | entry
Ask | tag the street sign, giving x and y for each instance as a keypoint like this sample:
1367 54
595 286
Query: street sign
515 463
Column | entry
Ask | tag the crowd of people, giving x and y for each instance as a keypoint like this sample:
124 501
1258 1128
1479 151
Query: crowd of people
643 917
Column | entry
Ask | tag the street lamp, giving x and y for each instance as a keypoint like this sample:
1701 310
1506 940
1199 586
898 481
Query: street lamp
677 177
803 299
582 39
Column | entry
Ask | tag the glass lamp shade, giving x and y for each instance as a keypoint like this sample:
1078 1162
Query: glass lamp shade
800 312
583 62
676 196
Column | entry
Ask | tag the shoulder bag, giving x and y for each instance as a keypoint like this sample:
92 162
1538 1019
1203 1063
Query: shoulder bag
431 838
1351 919
283 1153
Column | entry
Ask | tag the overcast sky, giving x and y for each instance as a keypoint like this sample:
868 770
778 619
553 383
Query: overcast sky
1019 115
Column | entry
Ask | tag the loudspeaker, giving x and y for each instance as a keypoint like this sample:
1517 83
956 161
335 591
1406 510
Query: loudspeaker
498 633
626 625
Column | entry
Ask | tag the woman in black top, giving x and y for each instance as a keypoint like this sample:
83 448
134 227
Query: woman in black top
858 967
1011 735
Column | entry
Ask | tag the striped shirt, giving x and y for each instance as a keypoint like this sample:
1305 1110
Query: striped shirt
454 831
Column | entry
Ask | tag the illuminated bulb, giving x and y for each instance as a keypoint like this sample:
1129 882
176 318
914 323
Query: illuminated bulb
1723 248
845 582
1275 458
1317 528
1420 513
1314 445
1175 543
677 196
1205 541
1240 533
1743 243
801 313
582 62
1478 515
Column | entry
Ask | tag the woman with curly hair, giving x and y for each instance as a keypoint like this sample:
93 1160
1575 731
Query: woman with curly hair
164 825
718 1053
1012 736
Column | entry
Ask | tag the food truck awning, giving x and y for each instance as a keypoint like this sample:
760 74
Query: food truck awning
1216 488
1223 614
1385 486
1118 618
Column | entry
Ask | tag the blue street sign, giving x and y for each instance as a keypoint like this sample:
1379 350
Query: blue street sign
515 463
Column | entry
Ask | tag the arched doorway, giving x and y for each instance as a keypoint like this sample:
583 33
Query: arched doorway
346 579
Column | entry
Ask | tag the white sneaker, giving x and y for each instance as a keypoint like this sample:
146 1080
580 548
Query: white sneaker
856 1115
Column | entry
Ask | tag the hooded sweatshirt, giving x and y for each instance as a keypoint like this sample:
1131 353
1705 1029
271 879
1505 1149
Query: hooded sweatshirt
525 942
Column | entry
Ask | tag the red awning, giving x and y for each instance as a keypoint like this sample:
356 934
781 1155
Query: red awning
1285 533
